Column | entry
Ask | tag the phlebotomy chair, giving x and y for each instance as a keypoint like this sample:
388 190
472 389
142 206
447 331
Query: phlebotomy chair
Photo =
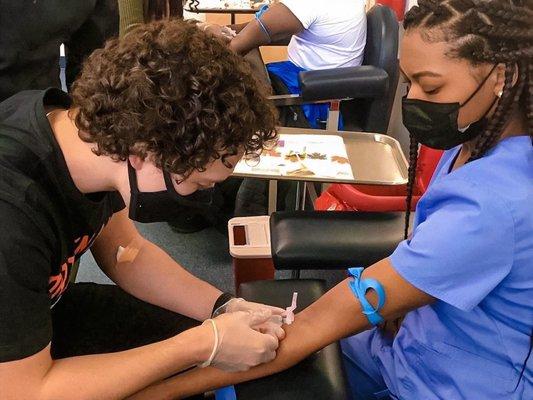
319 377
332 240
366 93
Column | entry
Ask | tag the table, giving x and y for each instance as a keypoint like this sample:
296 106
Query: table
375 159
195 6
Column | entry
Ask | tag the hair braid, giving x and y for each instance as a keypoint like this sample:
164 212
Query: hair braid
411 175
528 100
499 118
505 11
503 32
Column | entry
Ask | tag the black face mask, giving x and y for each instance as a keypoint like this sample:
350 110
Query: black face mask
435 124
166 205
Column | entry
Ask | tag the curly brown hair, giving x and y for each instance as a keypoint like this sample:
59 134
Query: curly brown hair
173 91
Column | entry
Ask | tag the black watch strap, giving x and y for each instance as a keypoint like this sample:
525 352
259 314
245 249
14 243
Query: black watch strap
222 299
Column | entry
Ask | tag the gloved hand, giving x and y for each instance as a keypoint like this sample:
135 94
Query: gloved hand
272 326
239 346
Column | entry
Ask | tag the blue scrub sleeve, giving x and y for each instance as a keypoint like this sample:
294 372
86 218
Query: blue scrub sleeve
462 248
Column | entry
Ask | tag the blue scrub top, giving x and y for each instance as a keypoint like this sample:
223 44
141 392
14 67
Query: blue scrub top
471 249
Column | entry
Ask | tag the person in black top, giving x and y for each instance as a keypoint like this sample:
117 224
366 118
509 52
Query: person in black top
154 120
32 31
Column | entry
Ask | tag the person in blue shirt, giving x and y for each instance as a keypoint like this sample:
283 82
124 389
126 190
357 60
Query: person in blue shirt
463 279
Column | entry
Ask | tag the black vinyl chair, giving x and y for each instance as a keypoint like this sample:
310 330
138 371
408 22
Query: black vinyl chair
332 240
321 376
366 92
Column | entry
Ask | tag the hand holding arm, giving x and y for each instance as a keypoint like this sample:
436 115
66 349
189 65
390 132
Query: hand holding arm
271 326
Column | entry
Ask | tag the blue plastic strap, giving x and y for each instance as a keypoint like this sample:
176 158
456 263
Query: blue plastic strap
264 29
360 287
261 11
226 393
258 15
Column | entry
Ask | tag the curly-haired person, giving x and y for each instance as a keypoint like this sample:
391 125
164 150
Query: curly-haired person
463 280
155 119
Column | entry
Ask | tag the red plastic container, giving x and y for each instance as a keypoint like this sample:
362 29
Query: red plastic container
381 198
249 245
398 6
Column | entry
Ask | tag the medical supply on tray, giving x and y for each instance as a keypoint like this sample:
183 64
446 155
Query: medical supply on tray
302 155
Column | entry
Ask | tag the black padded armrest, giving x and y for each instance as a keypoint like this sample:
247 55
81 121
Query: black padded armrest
321 376
333 240
341 83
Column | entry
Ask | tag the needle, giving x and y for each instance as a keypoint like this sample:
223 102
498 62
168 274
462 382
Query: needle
289 317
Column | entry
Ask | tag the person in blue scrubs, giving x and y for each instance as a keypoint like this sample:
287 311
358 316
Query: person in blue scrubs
458 291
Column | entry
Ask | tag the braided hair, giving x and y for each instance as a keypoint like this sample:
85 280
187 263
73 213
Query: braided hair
481 31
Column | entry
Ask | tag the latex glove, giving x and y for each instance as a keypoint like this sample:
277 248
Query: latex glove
272 326
240 346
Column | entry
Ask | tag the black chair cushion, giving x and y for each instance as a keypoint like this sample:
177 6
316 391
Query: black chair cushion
343 83
321 376
333 240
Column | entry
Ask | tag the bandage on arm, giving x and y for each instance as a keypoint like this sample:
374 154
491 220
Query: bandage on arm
127 254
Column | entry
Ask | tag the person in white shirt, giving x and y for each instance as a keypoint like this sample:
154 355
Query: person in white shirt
334 33
323 35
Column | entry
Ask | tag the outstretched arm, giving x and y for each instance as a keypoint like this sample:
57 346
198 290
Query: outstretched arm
335 315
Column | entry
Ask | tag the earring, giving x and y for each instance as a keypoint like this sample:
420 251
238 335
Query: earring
500 93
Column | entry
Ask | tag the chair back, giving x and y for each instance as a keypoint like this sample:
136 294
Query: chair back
381 50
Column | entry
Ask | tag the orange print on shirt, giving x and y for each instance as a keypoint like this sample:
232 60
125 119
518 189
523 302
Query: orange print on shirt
58 283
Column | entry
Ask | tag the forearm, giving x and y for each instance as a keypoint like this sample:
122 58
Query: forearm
153 276
117 375
291 351
250 37
311 331
279 22
335 315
